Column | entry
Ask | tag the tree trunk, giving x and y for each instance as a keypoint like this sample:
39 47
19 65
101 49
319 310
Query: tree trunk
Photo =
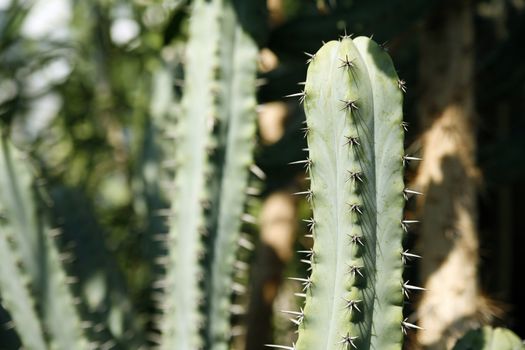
448 176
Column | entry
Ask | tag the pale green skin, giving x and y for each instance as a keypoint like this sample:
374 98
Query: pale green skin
35 249
373 83
488 338
214 144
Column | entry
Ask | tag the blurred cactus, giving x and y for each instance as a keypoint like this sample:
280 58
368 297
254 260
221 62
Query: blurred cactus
214 140
355 294
34 266
488 338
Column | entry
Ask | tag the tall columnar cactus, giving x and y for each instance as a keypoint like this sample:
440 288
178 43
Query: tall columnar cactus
214 140
355 293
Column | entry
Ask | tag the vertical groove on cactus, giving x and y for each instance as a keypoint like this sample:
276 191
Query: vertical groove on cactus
355 137
237 136
39 257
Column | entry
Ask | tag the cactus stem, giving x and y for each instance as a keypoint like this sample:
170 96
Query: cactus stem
348 340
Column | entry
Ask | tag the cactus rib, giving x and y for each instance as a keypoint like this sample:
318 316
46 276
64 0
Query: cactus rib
238 124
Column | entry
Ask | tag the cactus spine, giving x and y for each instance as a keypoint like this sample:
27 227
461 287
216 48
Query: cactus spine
353 104
214 144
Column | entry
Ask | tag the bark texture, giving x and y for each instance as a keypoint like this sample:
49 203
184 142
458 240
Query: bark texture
448 176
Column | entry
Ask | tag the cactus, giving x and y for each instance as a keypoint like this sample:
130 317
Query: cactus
40 273
214 144
354 296
488 338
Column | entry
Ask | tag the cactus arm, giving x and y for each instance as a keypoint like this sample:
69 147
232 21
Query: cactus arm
181 327
389 138
356 177
17 300
239 144
46 275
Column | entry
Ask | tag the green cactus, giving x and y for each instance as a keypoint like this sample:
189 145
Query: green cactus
488 338
39 273
214 140
354 296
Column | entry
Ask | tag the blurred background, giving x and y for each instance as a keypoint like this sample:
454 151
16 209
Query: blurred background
83 84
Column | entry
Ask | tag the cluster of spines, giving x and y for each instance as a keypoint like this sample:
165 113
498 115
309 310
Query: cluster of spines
356 177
